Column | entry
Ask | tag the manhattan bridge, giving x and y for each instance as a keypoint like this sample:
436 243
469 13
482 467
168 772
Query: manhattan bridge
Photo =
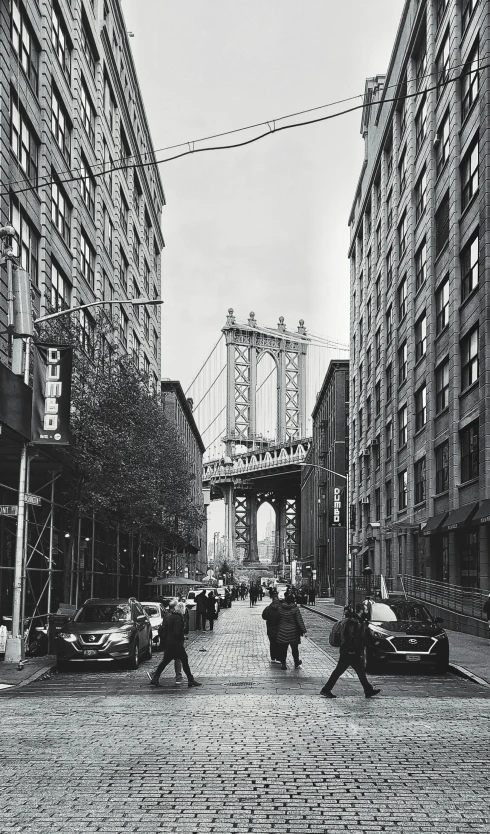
252 401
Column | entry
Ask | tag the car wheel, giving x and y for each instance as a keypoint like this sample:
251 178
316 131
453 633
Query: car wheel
134 660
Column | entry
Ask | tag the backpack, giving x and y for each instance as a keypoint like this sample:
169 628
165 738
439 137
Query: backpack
335 636
352 637
272 615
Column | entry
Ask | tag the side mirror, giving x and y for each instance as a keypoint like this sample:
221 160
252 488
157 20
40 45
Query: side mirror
141 618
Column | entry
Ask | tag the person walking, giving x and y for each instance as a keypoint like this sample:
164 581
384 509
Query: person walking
291 629
486 610
174 646
210 609
201 605
312 595
271 614
162 633
352 644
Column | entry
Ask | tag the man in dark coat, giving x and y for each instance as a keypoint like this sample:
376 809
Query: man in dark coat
312 595
291 629
271 614
210 609
486 610
174 645
201 605
352 644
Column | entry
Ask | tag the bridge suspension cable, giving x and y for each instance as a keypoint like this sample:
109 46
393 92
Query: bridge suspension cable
204 364
209 389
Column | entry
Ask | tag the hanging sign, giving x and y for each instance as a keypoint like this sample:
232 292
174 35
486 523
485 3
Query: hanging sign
51 394
336 507
8 509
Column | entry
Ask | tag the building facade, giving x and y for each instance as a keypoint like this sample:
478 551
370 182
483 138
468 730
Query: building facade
323 546
419 417
193 560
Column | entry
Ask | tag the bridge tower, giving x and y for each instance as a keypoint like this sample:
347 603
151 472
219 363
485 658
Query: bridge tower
246 344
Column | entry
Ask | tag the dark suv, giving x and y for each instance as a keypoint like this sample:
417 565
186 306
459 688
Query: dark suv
403 631
105 630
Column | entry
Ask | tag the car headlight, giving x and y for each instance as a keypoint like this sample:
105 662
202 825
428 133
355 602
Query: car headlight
442 636
376 633
69 637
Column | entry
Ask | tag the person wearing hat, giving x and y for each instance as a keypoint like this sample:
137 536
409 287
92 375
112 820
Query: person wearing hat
174 645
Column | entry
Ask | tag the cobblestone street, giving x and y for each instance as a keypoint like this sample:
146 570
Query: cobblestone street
255 750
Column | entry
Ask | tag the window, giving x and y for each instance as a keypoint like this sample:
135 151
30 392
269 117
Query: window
403 109
470 81
60 289
136 193
378 240
421 125
377 452
155 344
60 41
59 125
108 165
402 299
87 50
377 293
389 268
108 231
470 458
377 399
123 328
442 306
377 504
469 358
136 247
147 230
420 407
87 333
442 224
369 412
389 382
402 363
442 144
25 45
146 278
441 6
402 489
389 161
442 467
361 332
361 428
377 346
389 324
123 212
420 195
369 265
146 324
60 211
87 187
353 433
420 337
107 289
402 234
469 267
468 9
123 272
361 285
469 175
420 265
28 242
23 141
389 210
442 65
87 113
402 170
369 315
419 478
136 294
87 260
389 497
421 64
402 426
109 106
389 440
136 350
442 386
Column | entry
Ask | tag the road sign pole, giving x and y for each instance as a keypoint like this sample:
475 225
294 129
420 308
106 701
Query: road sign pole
14 650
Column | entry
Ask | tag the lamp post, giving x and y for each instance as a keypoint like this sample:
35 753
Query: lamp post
348 566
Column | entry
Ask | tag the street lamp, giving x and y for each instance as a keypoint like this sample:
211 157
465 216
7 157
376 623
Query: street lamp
348 567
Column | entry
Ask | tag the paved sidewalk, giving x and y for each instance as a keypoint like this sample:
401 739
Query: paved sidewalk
468 655
33 669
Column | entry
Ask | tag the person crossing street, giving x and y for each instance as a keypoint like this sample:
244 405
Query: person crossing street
352 644
174 646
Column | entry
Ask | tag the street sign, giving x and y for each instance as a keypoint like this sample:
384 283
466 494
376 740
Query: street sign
29 498
8 509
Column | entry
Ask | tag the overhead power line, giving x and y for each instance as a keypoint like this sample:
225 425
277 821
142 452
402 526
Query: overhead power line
272 129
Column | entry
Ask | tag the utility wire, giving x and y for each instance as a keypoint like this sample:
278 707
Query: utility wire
272 129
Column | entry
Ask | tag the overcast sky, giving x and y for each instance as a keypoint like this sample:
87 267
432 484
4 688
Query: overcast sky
264 227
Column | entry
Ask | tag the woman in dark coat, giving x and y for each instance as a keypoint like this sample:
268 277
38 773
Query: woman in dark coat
210 609
271 614
291 629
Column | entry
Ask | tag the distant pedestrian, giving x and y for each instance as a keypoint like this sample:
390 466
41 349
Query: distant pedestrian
352 644
291 629
272 614
174 646
252 597
486 609
261 593
210 609
201 606
312 596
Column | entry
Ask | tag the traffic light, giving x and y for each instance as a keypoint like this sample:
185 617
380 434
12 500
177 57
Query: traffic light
22 303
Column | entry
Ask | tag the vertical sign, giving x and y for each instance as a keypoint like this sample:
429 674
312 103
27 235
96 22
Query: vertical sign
51 394
336 507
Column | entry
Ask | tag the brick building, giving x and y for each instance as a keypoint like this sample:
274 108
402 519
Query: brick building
419 419
323 548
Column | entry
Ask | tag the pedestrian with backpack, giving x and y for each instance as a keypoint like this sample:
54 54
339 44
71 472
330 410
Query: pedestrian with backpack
352 644
271 614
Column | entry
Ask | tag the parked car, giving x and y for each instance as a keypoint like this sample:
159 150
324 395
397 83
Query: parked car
105 630
191 598
224 596
402 631
156 614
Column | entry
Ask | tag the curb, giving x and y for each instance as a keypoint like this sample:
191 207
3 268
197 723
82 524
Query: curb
320 613
44 672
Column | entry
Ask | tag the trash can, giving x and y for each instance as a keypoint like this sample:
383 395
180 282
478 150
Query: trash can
192 619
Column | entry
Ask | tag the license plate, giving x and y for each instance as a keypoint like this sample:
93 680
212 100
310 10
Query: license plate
90 652
413 657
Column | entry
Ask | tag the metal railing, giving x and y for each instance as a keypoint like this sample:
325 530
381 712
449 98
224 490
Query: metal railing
455 598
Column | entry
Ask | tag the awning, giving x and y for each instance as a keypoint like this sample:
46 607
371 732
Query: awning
482 515
457 518
433 524
362 552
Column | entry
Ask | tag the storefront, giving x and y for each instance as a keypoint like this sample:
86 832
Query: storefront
463 546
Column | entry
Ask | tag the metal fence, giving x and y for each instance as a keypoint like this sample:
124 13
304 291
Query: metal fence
455 598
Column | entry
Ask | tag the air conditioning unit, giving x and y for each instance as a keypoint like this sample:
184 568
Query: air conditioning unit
437 139
364 500
365 452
